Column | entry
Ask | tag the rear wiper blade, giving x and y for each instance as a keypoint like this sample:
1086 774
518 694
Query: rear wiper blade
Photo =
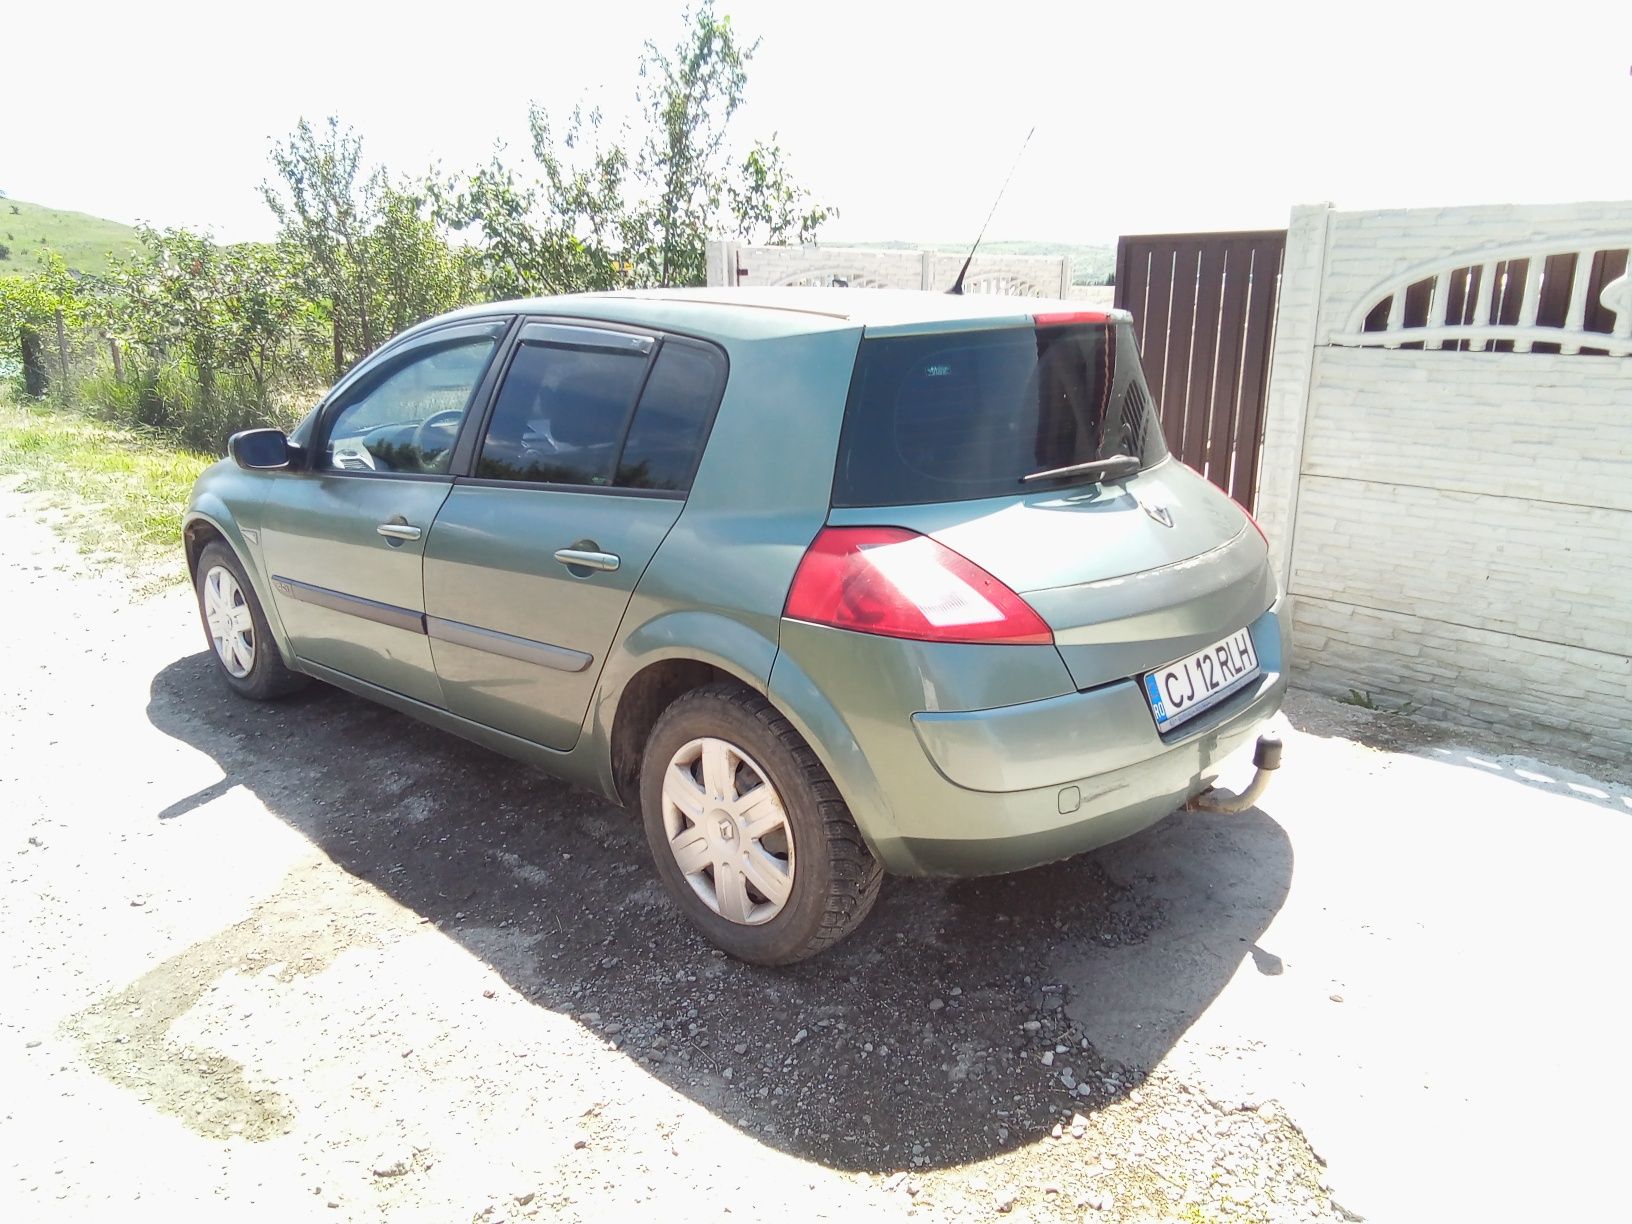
1114 467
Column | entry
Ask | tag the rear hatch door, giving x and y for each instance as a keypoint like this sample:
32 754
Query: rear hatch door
1131 572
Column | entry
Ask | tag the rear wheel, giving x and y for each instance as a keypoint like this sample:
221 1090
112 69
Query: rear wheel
748 832
246 657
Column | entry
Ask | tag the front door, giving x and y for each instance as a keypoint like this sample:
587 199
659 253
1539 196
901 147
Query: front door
581 472
343 539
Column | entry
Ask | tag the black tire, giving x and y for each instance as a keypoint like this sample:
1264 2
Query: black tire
268 678
835 880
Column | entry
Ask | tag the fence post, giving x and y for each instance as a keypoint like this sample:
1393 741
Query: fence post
716 261
1065 276
118 358
1292 366
62 357
927 274
35 379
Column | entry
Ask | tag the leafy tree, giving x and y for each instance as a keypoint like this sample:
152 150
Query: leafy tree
325 204
372 252
766 202
564 235
235 310
23 311
627 209
264 319
689 96
414 272
592 203
217 331
168 301
31 304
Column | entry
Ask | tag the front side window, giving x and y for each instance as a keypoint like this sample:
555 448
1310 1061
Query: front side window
406 419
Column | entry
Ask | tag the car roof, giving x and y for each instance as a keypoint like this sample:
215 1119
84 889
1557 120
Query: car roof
765 312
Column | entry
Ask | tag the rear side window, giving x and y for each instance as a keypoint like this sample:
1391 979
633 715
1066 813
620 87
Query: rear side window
560 415
667 434
564 416
965 415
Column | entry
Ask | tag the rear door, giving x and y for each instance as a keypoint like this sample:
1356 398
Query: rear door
581 470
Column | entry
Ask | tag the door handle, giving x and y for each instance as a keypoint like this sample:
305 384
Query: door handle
399 531
580 558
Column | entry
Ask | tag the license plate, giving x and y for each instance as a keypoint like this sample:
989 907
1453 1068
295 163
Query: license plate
1187 686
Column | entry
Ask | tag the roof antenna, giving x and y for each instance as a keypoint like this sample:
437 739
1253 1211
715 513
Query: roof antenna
957 285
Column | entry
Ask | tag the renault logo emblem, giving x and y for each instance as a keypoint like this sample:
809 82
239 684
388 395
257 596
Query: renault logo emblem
1159 513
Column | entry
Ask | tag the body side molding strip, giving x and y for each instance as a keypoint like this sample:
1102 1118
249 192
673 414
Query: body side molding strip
352 605
523 650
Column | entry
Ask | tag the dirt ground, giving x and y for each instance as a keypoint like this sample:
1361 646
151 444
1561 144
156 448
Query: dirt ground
314 960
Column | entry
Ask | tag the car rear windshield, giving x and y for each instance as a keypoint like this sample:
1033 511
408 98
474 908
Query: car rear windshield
963 415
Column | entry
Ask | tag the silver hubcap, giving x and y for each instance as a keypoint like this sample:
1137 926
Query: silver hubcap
232 629
728 831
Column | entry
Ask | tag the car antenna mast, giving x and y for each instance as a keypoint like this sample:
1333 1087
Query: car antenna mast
957 285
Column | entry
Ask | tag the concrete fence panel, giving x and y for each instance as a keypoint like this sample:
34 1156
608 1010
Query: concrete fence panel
731 263
1447 464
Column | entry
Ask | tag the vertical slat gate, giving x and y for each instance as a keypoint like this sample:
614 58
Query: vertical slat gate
1203 310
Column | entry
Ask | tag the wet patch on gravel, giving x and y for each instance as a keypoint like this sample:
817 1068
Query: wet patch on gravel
128 1036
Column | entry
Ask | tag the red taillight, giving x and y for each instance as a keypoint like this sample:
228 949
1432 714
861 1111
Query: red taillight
897 583
1070 318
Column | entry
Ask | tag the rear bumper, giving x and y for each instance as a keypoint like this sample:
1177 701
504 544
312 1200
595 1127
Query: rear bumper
1014 786
960 831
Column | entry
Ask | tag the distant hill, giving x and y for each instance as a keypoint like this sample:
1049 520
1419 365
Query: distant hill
28 230
1090 264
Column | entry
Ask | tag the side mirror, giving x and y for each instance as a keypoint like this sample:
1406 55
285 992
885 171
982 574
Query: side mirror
259 449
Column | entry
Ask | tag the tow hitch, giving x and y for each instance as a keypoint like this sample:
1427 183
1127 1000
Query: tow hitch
1266 758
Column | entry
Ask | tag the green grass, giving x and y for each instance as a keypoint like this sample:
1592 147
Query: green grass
118 494
83 241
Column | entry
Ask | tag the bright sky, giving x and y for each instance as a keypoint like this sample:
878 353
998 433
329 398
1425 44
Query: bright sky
1150 117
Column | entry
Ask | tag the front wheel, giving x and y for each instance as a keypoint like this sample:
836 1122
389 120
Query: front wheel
246 657
748 831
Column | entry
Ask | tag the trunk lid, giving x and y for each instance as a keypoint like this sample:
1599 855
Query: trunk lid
1122 591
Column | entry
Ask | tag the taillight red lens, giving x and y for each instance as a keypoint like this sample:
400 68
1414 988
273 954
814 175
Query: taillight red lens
896 583
1070 318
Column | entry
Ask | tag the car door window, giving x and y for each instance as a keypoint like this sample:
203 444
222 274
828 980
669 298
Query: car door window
406 418
561 413
666 435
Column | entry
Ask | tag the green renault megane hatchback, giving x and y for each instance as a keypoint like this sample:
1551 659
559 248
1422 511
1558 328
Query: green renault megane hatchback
825 583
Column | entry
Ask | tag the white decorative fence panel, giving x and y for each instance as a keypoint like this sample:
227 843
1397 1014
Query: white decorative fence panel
731 263
1447 464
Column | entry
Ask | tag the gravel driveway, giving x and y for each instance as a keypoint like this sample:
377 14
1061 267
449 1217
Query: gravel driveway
313 960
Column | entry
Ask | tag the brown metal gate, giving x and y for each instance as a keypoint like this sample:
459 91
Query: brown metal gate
1204 310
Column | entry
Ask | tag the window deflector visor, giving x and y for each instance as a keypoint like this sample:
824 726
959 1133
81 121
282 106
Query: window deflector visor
584 337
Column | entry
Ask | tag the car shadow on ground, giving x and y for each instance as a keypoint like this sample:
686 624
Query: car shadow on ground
927 1027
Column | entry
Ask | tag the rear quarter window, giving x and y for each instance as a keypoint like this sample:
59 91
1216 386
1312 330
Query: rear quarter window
666 436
